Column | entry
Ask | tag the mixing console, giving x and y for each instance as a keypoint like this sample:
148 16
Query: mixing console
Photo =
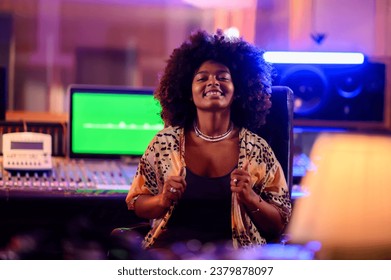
74 176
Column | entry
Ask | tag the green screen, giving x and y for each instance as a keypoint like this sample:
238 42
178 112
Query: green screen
113 123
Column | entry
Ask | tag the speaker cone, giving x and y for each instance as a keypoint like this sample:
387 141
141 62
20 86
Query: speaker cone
310 88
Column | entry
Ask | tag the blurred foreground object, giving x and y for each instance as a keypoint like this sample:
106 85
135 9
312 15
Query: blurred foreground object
348 209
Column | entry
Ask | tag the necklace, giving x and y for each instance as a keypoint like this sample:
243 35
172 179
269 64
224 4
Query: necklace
212 138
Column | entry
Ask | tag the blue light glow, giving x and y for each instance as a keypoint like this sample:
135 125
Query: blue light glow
314 57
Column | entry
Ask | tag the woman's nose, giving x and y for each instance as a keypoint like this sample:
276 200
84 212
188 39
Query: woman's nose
213 81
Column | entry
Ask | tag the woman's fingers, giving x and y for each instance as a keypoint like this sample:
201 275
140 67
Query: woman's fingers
241 176
241 180
173 189
177 183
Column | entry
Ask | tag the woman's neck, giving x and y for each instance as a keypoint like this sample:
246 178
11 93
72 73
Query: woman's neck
213 124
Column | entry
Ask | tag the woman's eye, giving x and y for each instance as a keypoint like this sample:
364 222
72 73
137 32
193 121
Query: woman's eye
199 78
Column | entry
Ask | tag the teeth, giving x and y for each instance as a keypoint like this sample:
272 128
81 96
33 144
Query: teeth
213 93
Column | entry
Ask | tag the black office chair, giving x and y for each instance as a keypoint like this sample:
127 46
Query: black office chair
278 132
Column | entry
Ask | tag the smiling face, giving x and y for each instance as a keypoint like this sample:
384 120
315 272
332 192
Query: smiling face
212 87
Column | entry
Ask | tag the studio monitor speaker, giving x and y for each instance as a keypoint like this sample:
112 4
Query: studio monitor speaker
336 92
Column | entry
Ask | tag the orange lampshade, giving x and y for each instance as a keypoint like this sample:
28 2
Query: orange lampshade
348 208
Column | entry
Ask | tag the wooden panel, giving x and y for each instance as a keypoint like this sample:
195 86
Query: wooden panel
25 22
382 28
36 116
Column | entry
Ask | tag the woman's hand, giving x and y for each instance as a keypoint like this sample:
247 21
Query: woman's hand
241 184
173 189
150 206
265 216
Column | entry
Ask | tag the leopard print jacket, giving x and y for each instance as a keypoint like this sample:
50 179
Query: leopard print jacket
164 157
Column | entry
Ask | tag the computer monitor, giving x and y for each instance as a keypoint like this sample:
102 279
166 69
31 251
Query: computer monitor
111 121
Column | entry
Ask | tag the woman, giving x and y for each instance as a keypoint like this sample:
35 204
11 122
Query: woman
206 176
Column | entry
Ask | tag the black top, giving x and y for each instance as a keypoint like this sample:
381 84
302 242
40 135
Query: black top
203 213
